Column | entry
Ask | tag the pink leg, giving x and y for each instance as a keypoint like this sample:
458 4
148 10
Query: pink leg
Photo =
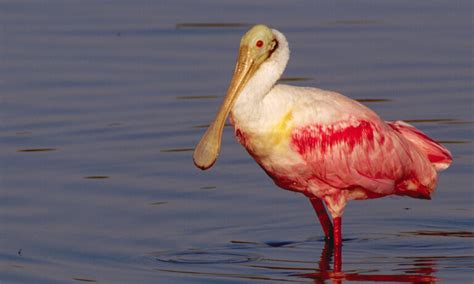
323 217
337 245
337 232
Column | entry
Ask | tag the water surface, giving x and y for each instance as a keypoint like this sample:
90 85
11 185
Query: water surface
103 102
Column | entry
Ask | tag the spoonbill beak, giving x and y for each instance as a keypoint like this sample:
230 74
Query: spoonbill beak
255 47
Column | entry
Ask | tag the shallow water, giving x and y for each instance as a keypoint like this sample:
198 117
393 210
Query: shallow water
102 104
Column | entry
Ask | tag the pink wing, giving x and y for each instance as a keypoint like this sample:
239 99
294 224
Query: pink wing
439 156
367 155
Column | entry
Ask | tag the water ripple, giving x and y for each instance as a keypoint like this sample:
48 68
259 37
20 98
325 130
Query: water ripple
205 257
459 234
36 150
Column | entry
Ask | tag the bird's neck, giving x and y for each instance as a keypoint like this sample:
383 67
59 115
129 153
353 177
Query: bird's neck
249 104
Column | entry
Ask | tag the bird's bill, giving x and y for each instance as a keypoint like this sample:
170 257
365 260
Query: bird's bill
207 150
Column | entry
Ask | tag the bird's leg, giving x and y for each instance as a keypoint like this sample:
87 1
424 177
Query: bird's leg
337 232
337 244
323 217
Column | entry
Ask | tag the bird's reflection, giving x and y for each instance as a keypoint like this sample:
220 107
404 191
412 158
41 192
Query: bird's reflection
329 268
423 273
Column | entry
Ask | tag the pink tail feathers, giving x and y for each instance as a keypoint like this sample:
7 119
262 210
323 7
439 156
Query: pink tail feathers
438 155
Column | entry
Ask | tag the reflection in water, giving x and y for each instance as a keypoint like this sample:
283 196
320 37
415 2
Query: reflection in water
421 274
411 269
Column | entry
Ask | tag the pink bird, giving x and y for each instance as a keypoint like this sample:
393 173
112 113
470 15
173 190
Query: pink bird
320 143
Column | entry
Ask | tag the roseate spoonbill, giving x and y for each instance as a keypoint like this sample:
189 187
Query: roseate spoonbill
316 142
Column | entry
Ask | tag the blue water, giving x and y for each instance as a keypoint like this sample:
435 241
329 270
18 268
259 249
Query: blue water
102 103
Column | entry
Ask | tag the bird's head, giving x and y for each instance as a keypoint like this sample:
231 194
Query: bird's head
256 46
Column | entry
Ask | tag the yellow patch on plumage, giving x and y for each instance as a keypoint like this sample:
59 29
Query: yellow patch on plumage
282 129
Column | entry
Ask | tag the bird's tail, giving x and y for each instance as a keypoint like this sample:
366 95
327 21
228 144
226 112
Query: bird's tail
439 156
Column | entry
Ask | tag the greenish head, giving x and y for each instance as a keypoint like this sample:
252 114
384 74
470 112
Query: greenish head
259 41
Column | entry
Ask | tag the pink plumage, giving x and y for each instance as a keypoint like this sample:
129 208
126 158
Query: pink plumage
372 158
439 156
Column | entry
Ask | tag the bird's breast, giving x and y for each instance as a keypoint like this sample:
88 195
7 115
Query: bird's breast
270 136
272 150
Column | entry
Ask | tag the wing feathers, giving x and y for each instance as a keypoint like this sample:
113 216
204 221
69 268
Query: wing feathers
365 155
438 155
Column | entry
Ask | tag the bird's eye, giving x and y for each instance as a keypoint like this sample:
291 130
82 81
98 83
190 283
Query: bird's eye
259 43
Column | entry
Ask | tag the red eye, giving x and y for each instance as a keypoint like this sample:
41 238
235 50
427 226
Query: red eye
259 43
